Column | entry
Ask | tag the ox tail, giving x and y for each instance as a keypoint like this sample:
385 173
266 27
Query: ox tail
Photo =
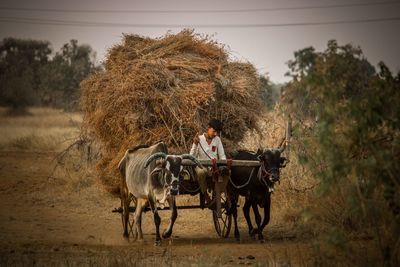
122 164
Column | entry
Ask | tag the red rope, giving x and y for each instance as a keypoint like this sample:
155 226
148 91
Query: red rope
265 173
215 170
229 165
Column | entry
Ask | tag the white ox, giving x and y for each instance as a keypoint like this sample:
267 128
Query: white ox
152 183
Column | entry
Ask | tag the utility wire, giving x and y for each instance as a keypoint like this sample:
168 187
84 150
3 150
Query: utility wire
307 7
144 25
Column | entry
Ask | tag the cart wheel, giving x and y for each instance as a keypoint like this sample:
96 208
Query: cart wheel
222 225
130 220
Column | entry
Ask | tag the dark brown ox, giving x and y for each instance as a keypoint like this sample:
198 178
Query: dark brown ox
256 185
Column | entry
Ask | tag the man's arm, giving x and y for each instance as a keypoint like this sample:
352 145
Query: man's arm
221 151
194 151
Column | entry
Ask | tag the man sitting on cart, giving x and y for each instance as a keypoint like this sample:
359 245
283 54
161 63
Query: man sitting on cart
208 146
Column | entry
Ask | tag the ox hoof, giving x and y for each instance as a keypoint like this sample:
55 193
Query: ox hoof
254 231
126 235
157 243
252 234
237 236
166 234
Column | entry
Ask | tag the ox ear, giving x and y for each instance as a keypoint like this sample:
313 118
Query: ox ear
156 170
154 157
160 162
163 163
282 162
185 173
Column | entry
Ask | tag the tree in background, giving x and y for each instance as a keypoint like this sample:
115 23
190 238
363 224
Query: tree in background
20 61
348 129
62 76
270 92
31 74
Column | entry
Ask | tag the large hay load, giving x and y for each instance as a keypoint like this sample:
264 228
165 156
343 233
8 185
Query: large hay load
166 89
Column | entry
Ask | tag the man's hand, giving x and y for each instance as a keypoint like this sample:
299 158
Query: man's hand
196 139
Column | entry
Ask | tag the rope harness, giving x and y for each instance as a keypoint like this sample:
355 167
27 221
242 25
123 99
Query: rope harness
245 184
185 188
190 190
215 170
262 173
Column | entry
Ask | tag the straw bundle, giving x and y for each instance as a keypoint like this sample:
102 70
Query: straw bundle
166 89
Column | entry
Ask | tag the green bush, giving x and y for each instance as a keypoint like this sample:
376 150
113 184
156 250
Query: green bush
348 123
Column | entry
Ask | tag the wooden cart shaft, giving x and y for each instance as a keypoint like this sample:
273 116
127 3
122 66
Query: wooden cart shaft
206 163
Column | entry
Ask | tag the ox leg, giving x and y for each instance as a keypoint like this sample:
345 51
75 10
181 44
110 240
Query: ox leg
234 211
267 211
246 213
141 204
125 201
202 200
174 214
257 217
157 221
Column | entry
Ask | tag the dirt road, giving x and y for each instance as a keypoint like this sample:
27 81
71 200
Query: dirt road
63 221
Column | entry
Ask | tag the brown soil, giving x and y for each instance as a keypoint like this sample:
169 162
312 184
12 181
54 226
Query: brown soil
61 221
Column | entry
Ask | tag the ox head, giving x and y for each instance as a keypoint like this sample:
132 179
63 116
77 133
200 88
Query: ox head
172 167
271 163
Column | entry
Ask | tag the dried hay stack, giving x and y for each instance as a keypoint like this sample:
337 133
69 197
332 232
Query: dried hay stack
166 89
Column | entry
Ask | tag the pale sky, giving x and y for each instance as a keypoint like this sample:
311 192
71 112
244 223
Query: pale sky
268 48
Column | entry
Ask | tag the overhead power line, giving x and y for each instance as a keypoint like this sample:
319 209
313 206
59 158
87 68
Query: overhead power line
145 25
307 7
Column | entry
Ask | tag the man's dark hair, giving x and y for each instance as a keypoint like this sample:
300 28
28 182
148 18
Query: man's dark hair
216 124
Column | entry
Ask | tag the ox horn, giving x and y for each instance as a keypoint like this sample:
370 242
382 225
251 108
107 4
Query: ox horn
287 135
192 158
155 156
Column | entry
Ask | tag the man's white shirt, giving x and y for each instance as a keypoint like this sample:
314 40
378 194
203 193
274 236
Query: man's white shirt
214 150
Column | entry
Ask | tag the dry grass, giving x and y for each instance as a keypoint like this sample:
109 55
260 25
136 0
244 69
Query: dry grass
44 129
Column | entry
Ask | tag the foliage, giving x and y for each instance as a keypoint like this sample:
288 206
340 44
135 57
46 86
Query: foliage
62 76
31 75
19 76
349 128
270 92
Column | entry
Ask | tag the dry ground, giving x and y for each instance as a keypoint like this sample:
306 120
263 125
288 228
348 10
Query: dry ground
64 218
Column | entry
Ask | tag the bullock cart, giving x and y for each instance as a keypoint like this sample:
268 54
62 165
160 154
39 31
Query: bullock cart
189 186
